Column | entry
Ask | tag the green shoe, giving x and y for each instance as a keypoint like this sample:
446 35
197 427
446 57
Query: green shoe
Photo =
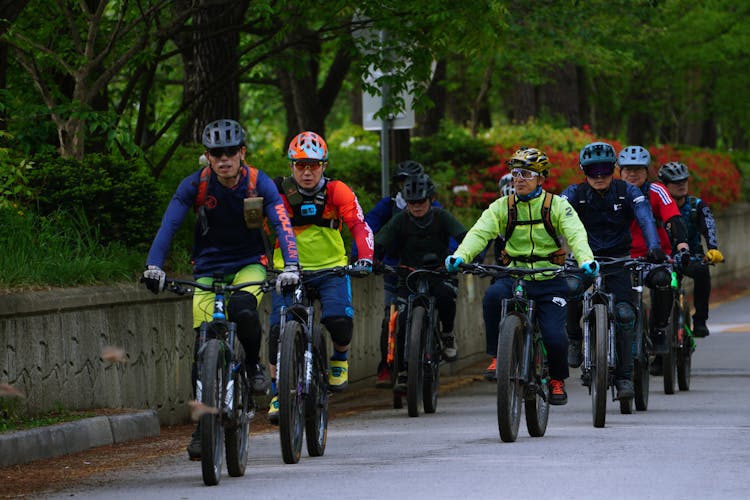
338 375
273 410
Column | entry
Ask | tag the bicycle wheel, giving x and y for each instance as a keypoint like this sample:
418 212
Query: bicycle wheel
509 388
398 401
685 353
431 370
289 380
599 365
213 377
641 373
316 407
415 366
537 404
669 359
237 430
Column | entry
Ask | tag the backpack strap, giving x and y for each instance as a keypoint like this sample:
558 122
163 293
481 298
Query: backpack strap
252 185
546 218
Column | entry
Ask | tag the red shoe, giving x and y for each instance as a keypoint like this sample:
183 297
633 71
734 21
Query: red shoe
384 378
557 394
491 372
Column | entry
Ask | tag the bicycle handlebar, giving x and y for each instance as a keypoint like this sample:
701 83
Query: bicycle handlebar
496 271
182 287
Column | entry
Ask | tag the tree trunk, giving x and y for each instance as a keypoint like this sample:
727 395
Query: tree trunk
429 123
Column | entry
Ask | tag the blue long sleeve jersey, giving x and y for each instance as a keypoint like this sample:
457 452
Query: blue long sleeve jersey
228 245
607 216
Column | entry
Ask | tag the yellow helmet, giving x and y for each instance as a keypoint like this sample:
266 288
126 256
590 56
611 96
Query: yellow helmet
530 159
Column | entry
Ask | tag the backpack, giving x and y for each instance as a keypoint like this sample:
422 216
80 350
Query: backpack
200 199
557 257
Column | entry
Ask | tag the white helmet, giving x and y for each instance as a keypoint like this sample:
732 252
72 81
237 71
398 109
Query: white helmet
506 185
634 156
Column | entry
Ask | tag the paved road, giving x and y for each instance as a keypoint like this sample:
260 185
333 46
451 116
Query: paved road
688 445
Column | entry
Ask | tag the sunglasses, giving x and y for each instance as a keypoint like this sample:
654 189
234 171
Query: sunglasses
523 173
219 152
313 166
417 202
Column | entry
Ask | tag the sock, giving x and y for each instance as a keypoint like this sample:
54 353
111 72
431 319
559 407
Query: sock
339 356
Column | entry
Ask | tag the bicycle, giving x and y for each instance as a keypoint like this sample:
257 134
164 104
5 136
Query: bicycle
222 385
599 352
522 372
302 375
642 339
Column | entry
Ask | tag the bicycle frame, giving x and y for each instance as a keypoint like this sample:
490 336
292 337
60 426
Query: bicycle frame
525 309
303 306
598 295
421 296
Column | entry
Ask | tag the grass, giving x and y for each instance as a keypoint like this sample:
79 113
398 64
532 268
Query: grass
13 419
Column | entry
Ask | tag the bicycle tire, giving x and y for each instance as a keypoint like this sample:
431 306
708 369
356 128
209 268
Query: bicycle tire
685 354
291 403
641 373
599 365
509 389
536 406
237 430
316 407
213 379
415 361
431 369
398 401
669 359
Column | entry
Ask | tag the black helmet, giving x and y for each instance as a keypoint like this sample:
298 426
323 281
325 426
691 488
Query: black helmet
407 168
223 133
418 187
673 171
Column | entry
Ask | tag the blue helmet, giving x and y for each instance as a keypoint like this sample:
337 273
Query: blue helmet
596 152
634 156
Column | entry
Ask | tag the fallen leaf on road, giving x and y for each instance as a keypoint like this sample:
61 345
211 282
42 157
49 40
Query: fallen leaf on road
114 354
10 391
198 409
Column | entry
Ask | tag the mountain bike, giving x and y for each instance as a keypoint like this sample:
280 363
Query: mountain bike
522 372
302 373
396 309
599 351
223 386
423 345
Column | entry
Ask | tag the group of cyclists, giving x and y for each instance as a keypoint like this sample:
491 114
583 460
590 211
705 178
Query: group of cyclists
527 227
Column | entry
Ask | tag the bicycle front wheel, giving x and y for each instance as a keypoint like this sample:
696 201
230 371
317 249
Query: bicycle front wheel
599 364
669 359
537 403
431 370
415 366
641 374
685 352
509 387
237 430
213 377
316 407
290 379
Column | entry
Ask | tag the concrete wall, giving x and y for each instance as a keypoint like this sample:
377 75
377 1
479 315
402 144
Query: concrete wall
50 341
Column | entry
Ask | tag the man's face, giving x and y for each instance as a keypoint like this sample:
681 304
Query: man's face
634 175
307 173
678 190
526 181
419 208
225 162
600 182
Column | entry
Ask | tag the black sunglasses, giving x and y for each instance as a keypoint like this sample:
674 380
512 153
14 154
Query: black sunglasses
230 151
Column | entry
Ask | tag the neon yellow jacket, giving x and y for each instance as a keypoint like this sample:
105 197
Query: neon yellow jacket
528 239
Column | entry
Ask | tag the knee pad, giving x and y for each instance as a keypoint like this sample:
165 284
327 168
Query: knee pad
624 315
658 279
576 286
340 328
243 311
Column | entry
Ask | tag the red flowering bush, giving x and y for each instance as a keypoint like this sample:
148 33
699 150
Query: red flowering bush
713 176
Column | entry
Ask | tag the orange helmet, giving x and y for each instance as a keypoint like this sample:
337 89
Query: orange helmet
308 146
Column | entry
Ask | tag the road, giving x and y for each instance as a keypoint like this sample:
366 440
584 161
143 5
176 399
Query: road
693 444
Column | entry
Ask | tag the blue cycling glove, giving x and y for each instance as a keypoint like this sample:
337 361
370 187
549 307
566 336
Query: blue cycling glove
590 268
452 263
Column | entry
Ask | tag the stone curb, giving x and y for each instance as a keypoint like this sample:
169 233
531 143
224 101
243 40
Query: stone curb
21 447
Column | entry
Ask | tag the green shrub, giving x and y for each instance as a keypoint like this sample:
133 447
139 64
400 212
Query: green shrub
119 198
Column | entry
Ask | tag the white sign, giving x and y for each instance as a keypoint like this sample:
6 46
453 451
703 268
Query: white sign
371 104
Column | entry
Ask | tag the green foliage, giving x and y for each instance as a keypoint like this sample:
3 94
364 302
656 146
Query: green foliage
60 249
119 198
14 170
13 416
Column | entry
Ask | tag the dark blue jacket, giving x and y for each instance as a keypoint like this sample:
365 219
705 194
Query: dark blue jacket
607 216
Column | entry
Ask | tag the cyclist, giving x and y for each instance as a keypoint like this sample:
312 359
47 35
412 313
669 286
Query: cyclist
699 221
317 207
420 230
607 206
376 218
223 243
530 243
634 162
